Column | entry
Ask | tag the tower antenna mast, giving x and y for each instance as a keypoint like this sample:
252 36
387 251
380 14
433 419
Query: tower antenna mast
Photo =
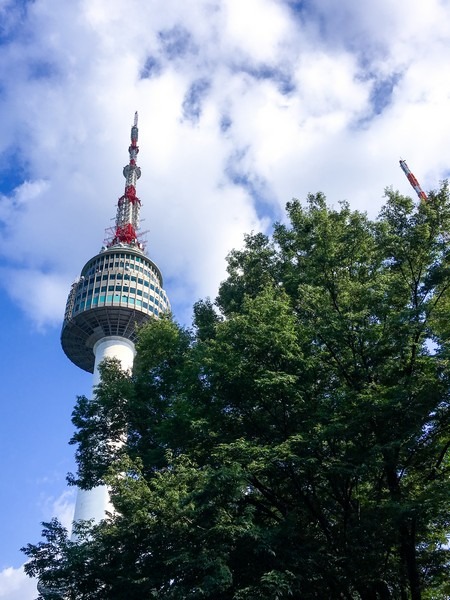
413 181
128 207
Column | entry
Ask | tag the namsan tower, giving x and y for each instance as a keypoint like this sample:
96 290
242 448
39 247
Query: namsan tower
118 289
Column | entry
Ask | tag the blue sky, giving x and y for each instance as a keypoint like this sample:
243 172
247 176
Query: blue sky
243 104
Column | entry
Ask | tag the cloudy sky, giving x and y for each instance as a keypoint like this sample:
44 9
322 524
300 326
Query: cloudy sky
243 104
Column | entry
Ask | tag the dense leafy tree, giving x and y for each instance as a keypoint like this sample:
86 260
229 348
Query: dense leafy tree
295 443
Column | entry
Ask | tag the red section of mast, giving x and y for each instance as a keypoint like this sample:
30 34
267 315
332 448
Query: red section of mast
127 217
413 181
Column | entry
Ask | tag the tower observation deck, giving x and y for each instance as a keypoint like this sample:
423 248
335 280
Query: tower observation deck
118 289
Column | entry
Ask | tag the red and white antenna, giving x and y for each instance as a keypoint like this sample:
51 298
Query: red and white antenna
128 206
413 181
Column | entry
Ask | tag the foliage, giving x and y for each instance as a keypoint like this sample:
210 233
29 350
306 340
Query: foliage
294 444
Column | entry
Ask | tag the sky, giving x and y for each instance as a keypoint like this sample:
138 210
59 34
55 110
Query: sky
243 105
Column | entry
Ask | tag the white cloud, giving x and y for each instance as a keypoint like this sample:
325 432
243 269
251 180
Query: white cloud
290 102
15 585
255 29
62 507
40 295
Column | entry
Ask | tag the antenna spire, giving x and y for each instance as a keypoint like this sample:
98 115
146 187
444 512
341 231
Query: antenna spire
128 206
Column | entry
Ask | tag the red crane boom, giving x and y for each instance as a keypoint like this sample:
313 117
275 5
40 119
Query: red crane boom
413 181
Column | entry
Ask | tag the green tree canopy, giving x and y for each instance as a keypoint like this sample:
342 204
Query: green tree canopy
294 443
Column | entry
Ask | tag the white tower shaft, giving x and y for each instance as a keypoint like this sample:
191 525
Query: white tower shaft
95 503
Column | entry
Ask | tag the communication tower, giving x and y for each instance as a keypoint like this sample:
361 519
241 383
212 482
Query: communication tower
118 289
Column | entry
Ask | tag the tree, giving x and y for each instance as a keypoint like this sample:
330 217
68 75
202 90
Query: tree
294 443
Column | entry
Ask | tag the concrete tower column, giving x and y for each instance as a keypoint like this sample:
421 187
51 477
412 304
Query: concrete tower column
94 503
